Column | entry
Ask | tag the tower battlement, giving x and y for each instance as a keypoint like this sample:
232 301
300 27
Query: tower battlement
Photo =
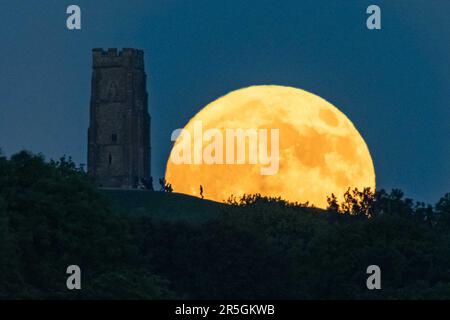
112 57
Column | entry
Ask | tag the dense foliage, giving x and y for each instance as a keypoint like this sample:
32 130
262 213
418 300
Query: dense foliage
51 216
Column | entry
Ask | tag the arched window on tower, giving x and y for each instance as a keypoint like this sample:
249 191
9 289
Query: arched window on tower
110 159
112 91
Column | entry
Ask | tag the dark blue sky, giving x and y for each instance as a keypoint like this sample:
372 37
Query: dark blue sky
393 84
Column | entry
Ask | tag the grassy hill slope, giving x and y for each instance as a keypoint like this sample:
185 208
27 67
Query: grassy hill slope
163 205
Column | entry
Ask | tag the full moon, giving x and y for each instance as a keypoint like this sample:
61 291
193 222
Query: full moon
320 150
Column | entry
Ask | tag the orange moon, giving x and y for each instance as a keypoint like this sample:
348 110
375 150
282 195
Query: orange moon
320 150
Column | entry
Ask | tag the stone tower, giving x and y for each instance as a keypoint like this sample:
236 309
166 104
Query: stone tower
119 130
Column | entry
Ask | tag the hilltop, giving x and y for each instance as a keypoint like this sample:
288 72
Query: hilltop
163 205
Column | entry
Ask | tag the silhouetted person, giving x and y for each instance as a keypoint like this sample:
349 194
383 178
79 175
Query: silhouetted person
201 191
162 183
148 183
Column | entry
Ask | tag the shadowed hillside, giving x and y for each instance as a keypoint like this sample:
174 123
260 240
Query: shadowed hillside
163 205
156 245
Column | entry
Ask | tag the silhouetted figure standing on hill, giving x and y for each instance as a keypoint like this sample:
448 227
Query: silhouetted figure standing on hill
162 183
201 191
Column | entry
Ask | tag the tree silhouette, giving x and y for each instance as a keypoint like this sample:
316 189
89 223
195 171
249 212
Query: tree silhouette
443 210
356 203
333 204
